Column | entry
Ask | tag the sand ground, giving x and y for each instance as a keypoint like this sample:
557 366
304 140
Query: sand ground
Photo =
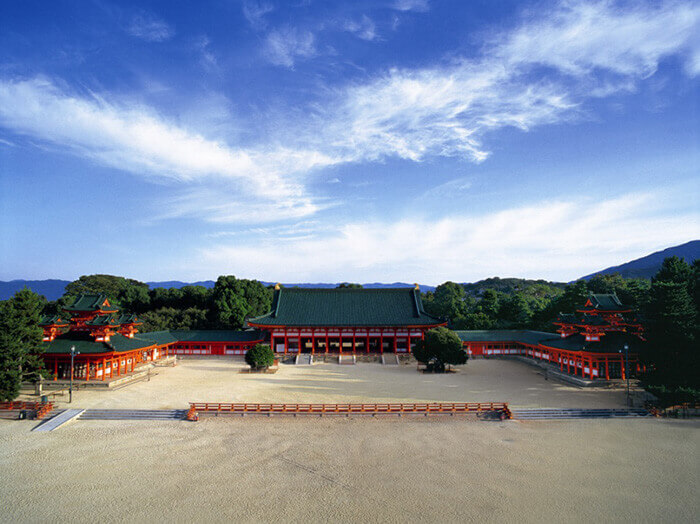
211 379
350 469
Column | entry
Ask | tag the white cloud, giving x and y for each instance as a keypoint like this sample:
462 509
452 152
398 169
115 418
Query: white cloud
582 37
285 45
202 46
364 28
591 50
562 239
411 5
255 12
135 138
150 28
586 50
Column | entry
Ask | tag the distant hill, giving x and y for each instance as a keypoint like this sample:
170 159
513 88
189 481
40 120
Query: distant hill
648 266
511 285
51 289
54 289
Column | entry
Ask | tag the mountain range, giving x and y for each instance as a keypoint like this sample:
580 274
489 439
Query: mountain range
644 267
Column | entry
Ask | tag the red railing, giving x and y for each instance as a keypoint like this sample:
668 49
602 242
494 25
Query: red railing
498 409
40 409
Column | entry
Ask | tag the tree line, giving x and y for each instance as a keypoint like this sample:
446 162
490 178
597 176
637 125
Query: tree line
668 305
225 306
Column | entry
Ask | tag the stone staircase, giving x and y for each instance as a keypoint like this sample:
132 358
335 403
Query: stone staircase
304 359
391 359
347 359
571 413
133 414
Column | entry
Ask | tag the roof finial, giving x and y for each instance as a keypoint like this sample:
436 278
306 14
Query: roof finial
277 286
416 286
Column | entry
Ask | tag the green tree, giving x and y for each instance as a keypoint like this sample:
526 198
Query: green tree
447 301
674 269
260 357
169 318
514 312
20 342
489 303
441 346
123 292
235 300
349 285
672 354
11 353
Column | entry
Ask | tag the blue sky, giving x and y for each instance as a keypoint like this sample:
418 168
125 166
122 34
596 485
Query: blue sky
398 140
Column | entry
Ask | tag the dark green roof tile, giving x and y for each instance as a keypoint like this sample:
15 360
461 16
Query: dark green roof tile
90 303
505 335
606 302
346 307
86 345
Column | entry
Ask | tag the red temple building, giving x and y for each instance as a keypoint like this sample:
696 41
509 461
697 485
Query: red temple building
591 342
345 320
108 344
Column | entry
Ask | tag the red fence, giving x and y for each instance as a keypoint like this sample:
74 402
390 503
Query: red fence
40 409
497 409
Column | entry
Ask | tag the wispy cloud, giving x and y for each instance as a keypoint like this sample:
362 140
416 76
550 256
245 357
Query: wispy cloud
286 45
202 45
364 28
149 27
591 50
134 138
579 51
411 5
255 11
535 239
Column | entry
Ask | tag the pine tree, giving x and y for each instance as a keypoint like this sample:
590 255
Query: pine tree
28 306
11 353
672 352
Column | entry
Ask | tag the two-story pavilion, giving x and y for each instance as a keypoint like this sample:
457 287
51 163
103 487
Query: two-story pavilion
345 320
592 343
107 345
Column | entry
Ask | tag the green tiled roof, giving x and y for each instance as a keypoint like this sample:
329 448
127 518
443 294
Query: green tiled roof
86 345
160 337
203 335
103 320
346 307
128 318
606 302
90 303
506 335
48 320
213 335
610 343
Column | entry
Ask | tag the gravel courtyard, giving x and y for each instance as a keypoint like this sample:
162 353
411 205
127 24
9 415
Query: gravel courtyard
350 469
218 379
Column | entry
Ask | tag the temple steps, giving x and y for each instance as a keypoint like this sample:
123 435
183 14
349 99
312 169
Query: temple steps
304 359
133 414
569 413
392 359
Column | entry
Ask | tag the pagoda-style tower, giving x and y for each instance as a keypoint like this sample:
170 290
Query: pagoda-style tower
86 308
127 325
53 326
95 315
600 314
